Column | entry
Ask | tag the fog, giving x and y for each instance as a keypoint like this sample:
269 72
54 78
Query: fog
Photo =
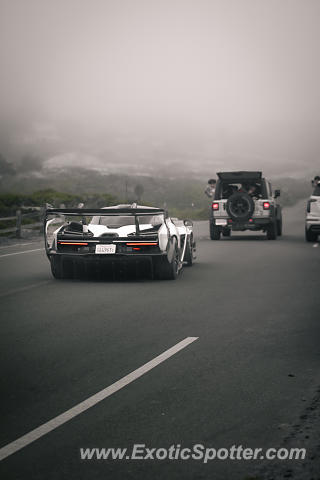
232 80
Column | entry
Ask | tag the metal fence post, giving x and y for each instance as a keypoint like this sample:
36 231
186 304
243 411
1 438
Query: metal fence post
42 213
18 224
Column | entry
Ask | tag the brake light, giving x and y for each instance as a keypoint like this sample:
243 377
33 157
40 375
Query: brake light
73 243
134 244
266 205
215 206
136 248
311 200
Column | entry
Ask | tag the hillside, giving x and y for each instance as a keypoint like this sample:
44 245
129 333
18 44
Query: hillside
183 196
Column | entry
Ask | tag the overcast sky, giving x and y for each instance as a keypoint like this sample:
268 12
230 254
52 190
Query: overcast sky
193 65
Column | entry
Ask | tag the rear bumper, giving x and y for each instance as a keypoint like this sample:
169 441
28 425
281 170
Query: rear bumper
117 257
313 225
254 224
106 266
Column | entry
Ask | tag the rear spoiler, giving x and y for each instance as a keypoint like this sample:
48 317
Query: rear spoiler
103 211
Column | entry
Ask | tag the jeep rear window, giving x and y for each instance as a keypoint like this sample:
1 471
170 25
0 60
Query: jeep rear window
226 189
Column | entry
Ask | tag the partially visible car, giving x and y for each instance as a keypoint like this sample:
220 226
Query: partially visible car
312 224
244 200
118 237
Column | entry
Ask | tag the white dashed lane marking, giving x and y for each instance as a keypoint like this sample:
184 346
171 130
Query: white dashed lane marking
20 253
23 289
16 245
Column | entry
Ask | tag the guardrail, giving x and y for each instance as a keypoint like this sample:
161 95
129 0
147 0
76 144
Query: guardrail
20 222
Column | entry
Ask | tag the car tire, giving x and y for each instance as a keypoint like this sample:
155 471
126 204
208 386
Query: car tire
226 232
166 270
60 269
215 232
279 227
272 231
56 267
310 236
188 258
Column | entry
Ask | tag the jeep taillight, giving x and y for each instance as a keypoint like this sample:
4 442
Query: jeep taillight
215 206
309 204
266 205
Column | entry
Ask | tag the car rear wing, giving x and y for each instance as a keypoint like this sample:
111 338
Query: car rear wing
83 212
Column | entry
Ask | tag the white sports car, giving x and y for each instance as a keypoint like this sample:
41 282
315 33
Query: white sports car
122 237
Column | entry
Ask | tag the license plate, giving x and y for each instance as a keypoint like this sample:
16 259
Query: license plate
105 249
221 221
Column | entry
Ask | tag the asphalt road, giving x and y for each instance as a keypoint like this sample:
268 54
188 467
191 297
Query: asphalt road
252 303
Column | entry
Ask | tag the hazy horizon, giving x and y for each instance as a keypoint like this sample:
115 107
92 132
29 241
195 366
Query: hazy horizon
163 79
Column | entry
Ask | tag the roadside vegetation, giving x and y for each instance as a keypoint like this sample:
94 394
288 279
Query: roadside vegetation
183 196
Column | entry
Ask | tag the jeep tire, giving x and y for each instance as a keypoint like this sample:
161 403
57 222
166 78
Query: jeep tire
215 232
311 236
240 206
272 231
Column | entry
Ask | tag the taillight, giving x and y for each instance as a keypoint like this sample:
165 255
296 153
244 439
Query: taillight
73 243
136 244
215 206
309 204
266 205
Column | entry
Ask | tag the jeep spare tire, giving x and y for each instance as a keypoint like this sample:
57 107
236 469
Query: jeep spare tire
240 206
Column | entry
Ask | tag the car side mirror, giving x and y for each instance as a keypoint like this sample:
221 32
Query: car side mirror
188 223
277 193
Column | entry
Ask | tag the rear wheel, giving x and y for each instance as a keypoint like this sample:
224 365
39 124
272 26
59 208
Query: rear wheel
272 231
188 258
311 236
59 268
215 232
166 270
279 227
56 267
